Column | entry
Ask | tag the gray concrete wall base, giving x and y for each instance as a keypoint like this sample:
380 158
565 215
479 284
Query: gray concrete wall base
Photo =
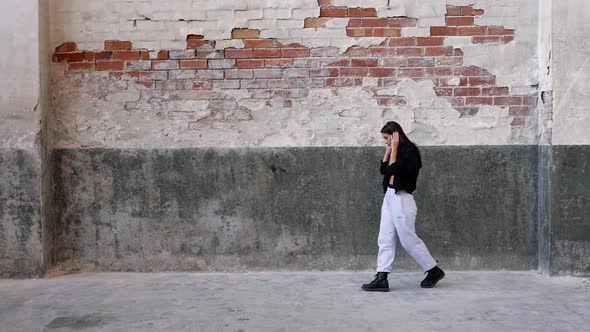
21 248
287 208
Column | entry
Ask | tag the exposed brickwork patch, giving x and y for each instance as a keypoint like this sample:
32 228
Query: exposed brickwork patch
270 70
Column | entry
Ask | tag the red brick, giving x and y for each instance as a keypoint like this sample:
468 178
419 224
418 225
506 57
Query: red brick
359 32
382 72
355 23
472 101
409 51
232 53
66 47
471 31
453 10
378 51
387 32
250 63
507 39
471 71
163 55
267 53
193 64
488 80
438 51
518 122
507 101
410 72
394 62
198 43
458 52
362 12
356 51
441 71
343 81
460 21
485 39
520 110
245 33
261 43
405 41
402 22
499 30
470 11
313 22
81 65
278 63
457 101
295 52
338 62
354 71
531 101
364 63
429 41
444 31
117 45
70 57
391 101
324 72
447 92
110 65
126 55
333 11
147 84
421 62
375 22
460 92
495 91
449 61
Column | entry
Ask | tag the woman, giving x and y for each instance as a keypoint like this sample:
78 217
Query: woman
400 167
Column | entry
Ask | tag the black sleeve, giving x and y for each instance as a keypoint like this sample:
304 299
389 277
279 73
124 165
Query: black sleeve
384 167
407 161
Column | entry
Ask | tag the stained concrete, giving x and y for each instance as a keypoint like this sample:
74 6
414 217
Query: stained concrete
21 249
286 208
570 210
463 301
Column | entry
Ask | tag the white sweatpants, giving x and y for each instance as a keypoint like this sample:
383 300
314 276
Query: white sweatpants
398 216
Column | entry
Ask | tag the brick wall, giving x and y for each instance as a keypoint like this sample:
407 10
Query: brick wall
296 73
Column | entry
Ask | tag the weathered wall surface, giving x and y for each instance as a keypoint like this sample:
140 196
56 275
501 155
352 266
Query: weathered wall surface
19 82
21 248
293 73
287 208
570 204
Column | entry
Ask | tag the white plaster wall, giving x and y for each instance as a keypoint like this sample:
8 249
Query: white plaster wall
19 65
571 72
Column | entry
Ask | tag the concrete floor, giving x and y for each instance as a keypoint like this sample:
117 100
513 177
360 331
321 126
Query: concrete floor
314 301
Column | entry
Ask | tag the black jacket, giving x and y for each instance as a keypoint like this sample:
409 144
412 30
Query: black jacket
405 169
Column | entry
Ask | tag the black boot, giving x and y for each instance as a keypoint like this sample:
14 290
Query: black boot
434 275
379 284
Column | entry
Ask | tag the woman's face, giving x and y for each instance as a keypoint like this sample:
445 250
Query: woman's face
386 138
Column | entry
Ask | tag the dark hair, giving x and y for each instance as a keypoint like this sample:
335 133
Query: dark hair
392 127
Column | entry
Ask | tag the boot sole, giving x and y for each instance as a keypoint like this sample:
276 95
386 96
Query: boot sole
435 282
376 289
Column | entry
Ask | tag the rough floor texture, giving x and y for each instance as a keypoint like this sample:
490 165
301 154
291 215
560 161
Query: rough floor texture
463 301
